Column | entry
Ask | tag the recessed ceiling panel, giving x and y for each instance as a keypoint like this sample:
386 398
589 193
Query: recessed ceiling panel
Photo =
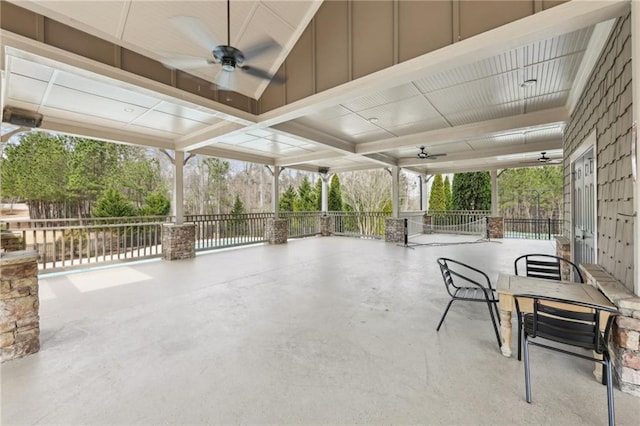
103 89
329 113
383 97
556 47
418 126
163 121
401 112
26 89
552 100
30 69
188 113
486 113
369 136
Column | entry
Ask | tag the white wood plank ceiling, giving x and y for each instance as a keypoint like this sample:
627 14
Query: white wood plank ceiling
470 106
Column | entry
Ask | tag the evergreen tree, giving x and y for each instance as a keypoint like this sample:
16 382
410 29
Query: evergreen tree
448 199
288 199
306 199
437 197
238 225
155 204
113 204
335 195
238 207
471 191
318 194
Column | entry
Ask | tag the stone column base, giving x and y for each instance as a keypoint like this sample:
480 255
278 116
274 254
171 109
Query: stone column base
427 224
276 231
178 241
19 304
495 227
563 250
326 226
394 230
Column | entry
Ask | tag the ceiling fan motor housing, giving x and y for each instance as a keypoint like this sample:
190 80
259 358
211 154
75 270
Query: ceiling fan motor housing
228 56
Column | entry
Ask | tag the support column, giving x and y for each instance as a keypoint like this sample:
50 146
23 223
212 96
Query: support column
178 241
494 192
177 206
276 192
635 93
325 193
19 304
424 193
495 227
395 192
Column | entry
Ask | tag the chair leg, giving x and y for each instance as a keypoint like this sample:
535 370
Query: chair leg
527 376
495 326
611 409
445 314
519 338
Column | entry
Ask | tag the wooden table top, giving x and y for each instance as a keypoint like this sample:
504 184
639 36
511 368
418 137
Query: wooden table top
515 284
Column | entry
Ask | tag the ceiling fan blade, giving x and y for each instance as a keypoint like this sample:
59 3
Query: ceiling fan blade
196 30
185 62
260 49
259 73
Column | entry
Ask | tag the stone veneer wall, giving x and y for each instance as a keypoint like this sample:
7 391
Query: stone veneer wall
178 241
625 343
394 230
10 241
563 250
495 227
19 303
327 226
276 231
606 108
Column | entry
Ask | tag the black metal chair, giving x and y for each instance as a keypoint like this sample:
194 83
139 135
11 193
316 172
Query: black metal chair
571 325
545 266
462 283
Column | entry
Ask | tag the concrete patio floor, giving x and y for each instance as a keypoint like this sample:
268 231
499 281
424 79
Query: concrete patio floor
323 330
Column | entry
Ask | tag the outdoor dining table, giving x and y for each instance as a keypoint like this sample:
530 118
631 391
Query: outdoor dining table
509 285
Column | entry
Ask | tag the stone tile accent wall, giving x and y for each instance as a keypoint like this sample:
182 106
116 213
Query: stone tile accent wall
625 343
276 231
10 241
495 227
427 222
394 230
178 241
563 250
606 108
19 304
327 225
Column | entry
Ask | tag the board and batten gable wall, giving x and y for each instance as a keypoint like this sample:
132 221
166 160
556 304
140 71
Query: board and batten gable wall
605 108
349 39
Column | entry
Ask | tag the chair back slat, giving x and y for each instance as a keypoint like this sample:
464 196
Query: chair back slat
545 266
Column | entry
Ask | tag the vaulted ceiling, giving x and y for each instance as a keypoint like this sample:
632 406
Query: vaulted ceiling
467 99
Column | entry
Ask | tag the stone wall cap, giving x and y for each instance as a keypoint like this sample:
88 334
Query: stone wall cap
563 240
17 256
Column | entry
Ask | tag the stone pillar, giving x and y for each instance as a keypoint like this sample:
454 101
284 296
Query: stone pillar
427 222
19 303
326 225
495 227
394 230
10 241
275 231
624 345
563 250
178 241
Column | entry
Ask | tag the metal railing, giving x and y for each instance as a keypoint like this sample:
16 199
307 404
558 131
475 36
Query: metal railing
302 224
359 224
534 229
62 247
459 221
227 230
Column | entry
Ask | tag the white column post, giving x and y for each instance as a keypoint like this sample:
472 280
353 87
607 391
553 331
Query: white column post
494 192
178 188
424 206
635 92
276 192
395 192
325 193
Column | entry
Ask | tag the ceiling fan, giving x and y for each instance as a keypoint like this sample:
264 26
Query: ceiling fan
543 159
424 155
228 57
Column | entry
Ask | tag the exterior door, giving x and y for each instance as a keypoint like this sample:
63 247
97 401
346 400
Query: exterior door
584 208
